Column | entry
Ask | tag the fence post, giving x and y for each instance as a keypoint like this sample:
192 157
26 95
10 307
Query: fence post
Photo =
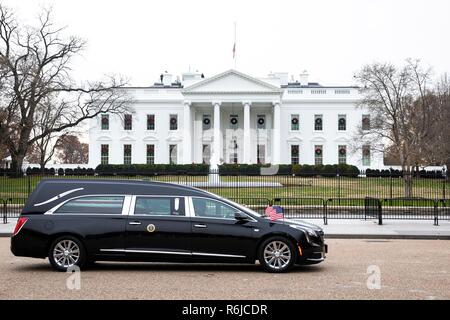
443 186
380 212
325 217
5 211
29 184
339 187
390 187
436 214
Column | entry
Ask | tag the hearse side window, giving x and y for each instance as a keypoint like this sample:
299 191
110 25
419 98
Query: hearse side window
212 209
159 206
93 205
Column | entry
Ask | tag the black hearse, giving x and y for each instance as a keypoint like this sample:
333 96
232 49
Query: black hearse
76 222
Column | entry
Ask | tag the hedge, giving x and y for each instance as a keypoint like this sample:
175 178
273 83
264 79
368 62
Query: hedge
38 171
152 169
61 172
302 170
288 169
393 173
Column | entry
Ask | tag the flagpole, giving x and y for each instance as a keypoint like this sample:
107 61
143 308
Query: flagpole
234 45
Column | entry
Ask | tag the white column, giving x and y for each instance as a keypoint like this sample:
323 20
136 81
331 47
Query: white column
247 141
276 150
217 142
187 139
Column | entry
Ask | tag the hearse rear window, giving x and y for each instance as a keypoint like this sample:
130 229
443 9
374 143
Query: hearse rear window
93 205
159 206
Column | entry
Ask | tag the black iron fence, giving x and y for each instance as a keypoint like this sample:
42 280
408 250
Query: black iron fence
315 196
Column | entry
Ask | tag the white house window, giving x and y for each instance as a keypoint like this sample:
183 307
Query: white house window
234 121
261 122
128 122
104 150
127 154
318 154
342 154
366 155
295 122
366 122
150 154
206 153
261 153
105 121
342 122
173 122
295 154
318 122
173 154
206 122
151 122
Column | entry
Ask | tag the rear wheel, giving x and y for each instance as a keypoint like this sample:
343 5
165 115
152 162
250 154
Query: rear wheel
277 254
67 252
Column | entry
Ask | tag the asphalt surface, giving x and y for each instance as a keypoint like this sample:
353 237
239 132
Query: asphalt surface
409 269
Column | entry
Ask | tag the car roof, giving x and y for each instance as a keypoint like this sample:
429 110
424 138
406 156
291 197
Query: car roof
50 192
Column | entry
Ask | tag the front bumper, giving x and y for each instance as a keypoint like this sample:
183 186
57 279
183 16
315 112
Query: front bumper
313 254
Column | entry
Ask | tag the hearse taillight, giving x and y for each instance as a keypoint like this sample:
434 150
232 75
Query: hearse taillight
20 223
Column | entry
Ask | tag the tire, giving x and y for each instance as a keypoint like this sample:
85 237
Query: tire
273 262
67 252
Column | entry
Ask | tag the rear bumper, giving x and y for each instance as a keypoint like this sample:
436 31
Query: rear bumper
23 246
313 255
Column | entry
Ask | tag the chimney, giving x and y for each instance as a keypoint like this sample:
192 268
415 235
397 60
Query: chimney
167 79
304 78
283 76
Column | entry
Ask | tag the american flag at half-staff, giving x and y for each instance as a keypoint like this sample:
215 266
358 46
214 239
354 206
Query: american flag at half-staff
274 212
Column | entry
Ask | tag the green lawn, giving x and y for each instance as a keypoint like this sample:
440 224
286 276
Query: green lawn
300 187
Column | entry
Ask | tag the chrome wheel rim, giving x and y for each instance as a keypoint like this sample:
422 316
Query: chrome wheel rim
277 254
66 253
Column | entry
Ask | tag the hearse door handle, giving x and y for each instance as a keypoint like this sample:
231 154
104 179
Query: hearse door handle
134 223
200 225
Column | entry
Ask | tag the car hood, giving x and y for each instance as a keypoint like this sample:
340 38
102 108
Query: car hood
300 223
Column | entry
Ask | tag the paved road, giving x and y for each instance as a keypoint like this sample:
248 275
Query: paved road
410 269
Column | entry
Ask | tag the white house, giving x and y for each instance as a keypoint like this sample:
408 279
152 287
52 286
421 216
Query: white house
235 118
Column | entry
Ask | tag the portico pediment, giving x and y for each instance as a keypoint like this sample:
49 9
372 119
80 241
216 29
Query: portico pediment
231 81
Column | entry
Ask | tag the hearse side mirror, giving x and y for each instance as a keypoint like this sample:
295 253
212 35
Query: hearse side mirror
239 216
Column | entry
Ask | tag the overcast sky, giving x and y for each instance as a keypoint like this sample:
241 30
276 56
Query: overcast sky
331 39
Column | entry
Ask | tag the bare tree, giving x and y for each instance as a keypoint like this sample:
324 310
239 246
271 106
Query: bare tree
3 154
43 149
400 105
441 147
71 150
35 67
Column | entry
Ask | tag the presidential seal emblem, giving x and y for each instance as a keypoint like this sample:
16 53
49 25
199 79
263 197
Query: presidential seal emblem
151 228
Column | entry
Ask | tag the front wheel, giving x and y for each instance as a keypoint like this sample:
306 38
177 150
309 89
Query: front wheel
277 254
66 252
